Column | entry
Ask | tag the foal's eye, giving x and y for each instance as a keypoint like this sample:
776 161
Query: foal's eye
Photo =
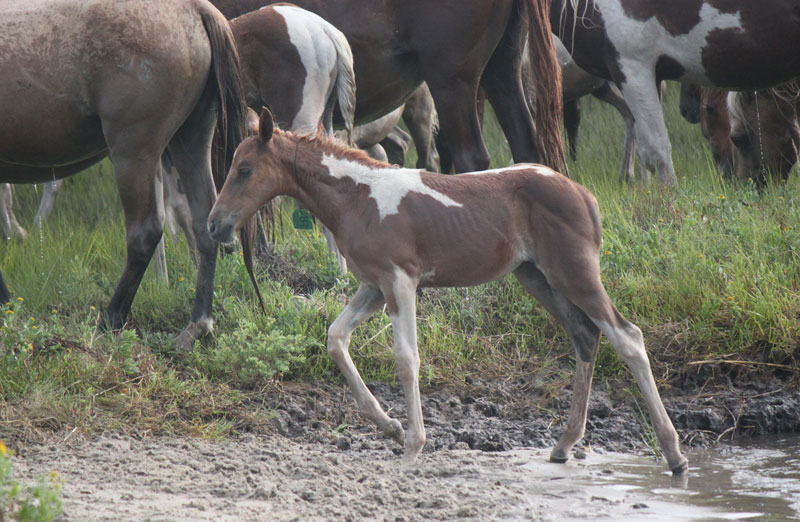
244 172
709 109
740 140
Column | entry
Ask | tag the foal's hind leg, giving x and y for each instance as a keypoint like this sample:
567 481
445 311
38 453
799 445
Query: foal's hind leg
584 335
581 285
366 301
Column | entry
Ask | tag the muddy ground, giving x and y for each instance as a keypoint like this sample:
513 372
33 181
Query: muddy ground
486 457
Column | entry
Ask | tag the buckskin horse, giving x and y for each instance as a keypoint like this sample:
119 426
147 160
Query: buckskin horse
125 80
733 44
401 229
454 47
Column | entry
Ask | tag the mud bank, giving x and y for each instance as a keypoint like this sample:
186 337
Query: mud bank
486 459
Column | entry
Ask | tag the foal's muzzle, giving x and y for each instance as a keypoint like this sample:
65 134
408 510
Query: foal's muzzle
221 227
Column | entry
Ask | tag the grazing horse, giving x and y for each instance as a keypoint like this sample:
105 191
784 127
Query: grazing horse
765 133
453 47
126 80
752 133
735 44
406 228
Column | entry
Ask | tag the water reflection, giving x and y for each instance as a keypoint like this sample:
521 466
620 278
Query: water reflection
752 480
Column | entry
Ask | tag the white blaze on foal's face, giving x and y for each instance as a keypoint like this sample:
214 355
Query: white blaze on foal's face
387 186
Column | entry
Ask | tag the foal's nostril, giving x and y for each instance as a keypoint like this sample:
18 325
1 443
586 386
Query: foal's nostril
212 227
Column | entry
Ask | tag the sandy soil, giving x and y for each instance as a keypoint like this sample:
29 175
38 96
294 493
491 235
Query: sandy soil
116 478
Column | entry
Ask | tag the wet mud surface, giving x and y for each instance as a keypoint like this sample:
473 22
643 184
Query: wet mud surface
486 458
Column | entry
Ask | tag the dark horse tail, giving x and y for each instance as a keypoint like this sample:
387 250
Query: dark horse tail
231 114
546 77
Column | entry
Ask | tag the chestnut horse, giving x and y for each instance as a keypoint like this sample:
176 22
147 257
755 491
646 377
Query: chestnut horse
454 47
753 134
401 229
735 44
126 80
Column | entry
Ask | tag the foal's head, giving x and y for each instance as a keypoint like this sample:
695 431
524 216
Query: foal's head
255 177
765 133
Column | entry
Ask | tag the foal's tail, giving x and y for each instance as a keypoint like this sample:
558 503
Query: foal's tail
345 77
231 114
546 77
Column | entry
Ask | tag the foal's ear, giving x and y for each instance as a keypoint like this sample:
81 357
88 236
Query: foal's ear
265 125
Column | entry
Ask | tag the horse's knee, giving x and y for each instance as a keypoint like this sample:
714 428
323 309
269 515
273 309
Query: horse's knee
143 239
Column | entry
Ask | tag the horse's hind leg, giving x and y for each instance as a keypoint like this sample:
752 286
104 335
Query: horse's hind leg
581 285
5 295
51 191
190 153
584 335
135 176
420 118
502 80
366 301
611 95
10 226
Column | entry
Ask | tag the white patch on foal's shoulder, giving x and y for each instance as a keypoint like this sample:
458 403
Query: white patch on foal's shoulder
539 169
388 186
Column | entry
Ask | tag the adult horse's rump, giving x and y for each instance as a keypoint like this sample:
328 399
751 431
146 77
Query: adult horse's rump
85 79
454 47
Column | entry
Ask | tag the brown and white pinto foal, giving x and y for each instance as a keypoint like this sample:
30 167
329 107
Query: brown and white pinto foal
405 228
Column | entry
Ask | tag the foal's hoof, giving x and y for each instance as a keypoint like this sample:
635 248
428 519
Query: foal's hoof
558 457
681 468
394 430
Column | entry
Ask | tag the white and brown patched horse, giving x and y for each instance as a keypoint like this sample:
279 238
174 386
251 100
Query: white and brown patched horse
734 44
401 229
300 66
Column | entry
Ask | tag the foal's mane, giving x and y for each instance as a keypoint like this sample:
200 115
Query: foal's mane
334 147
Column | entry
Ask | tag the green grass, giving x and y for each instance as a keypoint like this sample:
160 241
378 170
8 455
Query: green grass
709 270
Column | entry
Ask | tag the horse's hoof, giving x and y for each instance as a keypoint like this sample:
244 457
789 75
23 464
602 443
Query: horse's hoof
185 341
394 430
558 458
681 468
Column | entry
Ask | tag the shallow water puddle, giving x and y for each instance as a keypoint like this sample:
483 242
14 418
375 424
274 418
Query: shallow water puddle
753 480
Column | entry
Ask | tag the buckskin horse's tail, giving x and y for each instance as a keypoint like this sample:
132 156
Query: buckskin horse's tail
546 78
231 114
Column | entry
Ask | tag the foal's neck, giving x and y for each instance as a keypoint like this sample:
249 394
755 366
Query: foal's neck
325 195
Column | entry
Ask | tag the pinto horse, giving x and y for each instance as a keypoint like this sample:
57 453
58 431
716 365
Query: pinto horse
734 44
126 80
401 229
454 47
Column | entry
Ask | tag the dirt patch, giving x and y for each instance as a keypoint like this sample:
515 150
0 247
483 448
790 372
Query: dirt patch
486 458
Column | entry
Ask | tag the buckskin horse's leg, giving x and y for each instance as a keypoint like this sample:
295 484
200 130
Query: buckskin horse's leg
190 154
584 335
135 176
401 302
5 295
366 301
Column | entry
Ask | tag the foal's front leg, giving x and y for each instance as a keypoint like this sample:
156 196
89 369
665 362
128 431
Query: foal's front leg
406 356
364 303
